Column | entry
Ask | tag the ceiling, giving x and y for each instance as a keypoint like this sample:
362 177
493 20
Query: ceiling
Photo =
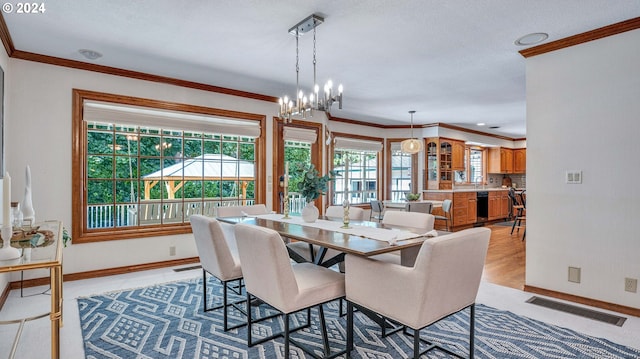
452 61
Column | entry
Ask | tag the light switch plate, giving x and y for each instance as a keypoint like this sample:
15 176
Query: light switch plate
574 274
573 177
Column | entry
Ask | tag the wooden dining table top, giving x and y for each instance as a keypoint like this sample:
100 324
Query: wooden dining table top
347 243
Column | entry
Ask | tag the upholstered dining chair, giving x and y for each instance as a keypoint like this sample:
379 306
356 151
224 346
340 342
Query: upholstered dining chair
377 209
417 222
308 252
337 212
444 280
219 257
289 288
238 211
424 207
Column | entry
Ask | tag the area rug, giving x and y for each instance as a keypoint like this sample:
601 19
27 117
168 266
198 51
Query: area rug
167 321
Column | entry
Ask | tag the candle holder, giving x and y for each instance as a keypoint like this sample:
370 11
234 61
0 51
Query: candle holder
345 217
7 252
286 205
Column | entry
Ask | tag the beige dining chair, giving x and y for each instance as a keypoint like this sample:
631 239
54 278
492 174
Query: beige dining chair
289 288
444 280
337 212
219 257
416 222
309 252
239 211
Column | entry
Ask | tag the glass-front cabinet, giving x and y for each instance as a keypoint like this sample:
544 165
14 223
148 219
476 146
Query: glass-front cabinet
443 157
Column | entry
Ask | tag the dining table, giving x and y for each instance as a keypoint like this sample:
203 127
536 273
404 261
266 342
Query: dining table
362 238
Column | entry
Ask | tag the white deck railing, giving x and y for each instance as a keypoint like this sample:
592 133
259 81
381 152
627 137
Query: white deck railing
155 212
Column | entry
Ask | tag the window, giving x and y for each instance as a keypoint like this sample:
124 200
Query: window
402 178
473 164
143 170
296 153
357 163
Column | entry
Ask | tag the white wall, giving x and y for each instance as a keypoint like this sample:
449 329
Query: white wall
4 63
583 113
39 134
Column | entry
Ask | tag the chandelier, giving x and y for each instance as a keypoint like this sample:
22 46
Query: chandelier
411 145
302 104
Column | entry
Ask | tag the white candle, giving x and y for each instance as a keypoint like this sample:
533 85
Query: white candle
6 200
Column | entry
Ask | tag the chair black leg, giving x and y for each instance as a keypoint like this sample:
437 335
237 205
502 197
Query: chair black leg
204 289
286 335
472 330
416 344
224 307
323 328
249 319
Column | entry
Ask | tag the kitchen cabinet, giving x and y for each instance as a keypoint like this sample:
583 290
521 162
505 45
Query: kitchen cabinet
520 160
504 204
500 160
457 158
498 205
443 157
464 208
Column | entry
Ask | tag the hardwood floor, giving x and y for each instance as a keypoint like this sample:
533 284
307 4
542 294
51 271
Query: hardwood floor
505 263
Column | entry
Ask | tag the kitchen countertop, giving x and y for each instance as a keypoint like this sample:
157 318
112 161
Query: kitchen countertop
469 190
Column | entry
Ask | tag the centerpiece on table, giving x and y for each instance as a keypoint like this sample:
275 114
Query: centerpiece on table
412 196
312 186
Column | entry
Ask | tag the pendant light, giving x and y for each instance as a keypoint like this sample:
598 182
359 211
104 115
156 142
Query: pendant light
411 145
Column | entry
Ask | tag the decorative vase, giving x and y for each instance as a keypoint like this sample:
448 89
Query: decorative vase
310 212
28 214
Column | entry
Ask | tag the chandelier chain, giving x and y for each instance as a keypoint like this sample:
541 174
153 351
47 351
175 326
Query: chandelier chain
314 56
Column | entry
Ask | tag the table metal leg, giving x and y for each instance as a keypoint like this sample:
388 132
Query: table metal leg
56 310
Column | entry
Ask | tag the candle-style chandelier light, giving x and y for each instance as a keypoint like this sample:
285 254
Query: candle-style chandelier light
302 104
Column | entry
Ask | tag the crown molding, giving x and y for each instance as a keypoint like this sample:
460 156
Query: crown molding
609 30
57 61
5 36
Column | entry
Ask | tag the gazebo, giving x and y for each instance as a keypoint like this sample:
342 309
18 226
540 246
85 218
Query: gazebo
206 167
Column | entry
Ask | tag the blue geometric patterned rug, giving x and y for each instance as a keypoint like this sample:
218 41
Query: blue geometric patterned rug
167 321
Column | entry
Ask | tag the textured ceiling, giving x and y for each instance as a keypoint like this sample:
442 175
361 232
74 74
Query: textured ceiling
452 61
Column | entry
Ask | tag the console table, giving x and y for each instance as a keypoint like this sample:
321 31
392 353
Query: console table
45 253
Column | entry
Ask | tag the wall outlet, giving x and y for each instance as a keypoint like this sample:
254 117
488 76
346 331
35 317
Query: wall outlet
172 250
573 177
574 274
631 285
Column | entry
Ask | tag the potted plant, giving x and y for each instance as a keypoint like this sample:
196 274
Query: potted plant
412 196
312 185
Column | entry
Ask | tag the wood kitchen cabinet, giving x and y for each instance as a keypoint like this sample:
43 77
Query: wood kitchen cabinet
520 160
500 160
465 210
457 158
505 204
498 205
443 157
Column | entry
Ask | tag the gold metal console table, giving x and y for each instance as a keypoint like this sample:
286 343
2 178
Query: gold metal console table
41 251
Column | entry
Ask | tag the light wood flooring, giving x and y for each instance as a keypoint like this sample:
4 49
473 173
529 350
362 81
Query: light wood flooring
505 263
